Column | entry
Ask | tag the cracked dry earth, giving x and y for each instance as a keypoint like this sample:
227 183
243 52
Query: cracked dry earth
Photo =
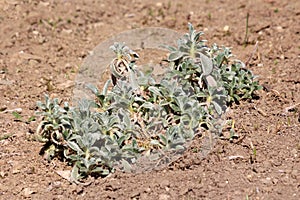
43 44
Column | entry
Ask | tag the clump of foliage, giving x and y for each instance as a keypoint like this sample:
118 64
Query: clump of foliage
134 115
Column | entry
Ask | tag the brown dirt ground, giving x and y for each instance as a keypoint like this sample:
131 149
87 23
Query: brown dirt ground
43 43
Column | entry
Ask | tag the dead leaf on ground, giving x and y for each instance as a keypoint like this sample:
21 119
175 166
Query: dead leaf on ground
66 174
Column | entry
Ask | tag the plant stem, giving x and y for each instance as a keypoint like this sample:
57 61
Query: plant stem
246 35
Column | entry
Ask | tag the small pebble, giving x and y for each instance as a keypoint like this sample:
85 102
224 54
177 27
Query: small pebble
226 28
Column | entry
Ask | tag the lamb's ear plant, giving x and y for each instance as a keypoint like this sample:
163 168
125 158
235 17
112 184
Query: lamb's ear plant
135 116
55 127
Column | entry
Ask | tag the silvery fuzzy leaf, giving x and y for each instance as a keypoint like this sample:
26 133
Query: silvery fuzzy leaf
41 105
126 166
99 170
197 36
134 143
55 101
184 49
183 40
93 88
147 105
207 65
139 99
105 88
155 142
71 157
75 147
210 80
154 90
105 172
65 121
143 80
217 107
219 59
122 103
170 48
175 107
163 139
121 140
95 150
175 56
75 173
179 147
191 28
133 80
126 120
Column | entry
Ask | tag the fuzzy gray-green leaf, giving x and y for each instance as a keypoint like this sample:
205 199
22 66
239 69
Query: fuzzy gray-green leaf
207 65
176 55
